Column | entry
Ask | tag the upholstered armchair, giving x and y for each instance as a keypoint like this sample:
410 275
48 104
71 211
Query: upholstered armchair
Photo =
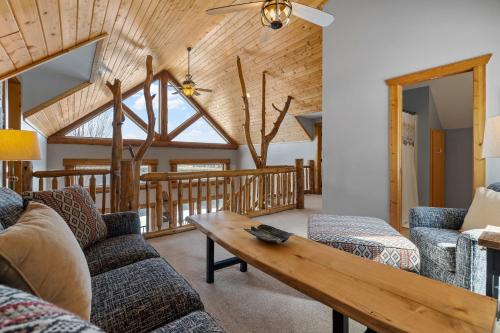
446 254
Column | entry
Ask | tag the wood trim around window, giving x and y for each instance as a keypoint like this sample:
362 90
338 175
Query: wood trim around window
71 163
175 163
475 65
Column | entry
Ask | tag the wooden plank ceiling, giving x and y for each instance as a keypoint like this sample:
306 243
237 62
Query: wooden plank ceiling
31 30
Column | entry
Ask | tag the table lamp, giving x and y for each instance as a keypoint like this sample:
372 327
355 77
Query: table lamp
18 145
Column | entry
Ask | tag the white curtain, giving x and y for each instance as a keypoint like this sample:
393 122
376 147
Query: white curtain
409 166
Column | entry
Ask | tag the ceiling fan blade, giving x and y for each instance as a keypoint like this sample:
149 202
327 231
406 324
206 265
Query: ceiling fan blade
234 8
197 93
175 93
204 90
312 15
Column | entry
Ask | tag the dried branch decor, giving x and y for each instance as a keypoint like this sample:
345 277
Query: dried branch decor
125 174
260 161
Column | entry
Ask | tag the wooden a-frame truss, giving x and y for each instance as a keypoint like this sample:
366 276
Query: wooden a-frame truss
163 138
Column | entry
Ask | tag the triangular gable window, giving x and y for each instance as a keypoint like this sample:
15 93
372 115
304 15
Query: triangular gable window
200 131
179 110
101 126
137 104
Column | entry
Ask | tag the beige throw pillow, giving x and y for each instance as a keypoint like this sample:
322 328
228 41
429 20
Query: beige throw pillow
485 210
40 253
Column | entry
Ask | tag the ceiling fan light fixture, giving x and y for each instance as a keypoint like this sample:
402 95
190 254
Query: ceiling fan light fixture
276 13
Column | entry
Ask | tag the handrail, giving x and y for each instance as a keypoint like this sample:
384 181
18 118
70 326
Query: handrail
65 173
166 176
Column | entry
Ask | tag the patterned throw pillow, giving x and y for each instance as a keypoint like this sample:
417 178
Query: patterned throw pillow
76 207
11 207
22 312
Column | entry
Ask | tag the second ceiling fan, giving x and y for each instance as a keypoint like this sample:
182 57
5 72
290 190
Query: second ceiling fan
188 87
276 13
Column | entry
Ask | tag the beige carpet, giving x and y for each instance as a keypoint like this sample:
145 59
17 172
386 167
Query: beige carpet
251 301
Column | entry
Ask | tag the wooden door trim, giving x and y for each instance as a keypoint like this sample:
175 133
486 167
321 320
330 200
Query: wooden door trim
318 129
475 65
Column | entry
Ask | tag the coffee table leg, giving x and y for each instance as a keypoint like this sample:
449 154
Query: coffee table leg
340 322
210 261
243 266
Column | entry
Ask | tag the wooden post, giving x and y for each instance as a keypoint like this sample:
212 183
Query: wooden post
312 177
92 187
117 144
299 166
14 90
159 206
127 193
27 182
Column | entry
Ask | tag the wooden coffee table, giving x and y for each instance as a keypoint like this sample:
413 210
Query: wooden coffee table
378 296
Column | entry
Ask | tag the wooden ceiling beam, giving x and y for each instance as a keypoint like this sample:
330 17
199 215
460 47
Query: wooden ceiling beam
37 63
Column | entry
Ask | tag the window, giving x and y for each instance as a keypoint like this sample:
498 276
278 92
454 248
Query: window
178 121
179 110
137 104
101 126
187 165
200 131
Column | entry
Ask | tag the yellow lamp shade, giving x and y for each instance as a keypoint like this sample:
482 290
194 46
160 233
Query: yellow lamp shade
18 145
491 142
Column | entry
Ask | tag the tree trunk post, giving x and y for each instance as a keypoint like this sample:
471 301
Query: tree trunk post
299 167
27 181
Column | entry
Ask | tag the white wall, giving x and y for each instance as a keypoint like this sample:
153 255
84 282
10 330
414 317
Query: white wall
56 153
280 153
371 41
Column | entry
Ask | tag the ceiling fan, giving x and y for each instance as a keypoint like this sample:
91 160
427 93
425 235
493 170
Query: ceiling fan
188 86
276 13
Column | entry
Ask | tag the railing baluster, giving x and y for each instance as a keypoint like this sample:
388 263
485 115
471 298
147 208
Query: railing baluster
224 195
148 220
180 205
247 195
217 193
171 211
40 183
233 193
55 183
209 196
199 197
190 194
240 196
104 190
80 180
159 206
92 185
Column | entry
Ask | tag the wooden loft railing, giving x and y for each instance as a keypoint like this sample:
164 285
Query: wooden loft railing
251 192
310 178
87 178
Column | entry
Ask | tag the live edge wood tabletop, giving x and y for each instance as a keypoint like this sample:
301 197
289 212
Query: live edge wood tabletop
379 296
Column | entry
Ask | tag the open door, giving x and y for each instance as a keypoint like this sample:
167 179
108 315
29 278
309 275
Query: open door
437 168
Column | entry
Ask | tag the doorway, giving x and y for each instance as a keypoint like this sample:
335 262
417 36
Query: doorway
477 68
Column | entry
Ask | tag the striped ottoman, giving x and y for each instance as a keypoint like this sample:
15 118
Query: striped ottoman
367 237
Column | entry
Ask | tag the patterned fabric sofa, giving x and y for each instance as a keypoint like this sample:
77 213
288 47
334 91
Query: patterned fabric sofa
447 254
133 288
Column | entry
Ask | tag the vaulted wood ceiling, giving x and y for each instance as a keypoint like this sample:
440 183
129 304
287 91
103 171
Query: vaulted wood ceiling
31 30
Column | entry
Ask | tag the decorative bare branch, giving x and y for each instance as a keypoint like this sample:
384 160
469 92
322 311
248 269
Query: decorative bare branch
150 111
244 95
260 161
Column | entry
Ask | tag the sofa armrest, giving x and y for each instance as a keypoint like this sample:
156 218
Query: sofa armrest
471 262
123 223
433 217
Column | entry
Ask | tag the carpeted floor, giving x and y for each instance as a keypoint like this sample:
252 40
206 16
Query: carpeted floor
251 301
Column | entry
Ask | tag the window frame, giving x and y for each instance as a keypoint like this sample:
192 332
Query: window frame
162 139
175 162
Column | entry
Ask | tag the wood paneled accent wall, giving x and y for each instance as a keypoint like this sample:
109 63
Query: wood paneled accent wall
34 30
